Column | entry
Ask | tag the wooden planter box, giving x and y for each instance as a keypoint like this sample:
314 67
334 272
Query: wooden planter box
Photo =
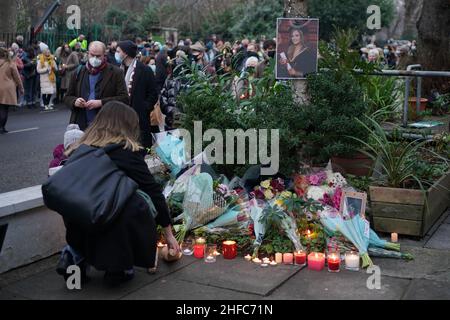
409 212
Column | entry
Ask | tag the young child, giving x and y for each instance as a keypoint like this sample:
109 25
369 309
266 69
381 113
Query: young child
72 135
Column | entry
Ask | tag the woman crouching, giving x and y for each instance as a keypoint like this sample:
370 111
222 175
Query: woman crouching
131 238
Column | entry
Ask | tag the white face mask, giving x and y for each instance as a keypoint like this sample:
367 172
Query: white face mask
95 62
153 67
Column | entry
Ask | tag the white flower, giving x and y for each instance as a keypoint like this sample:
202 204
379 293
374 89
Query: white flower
337 180
315 193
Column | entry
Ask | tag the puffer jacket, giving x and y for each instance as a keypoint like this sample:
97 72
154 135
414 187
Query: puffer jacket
168 100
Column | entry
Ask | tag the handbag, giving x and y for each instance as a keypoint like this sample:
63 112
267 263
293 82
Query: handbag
90 191
156 116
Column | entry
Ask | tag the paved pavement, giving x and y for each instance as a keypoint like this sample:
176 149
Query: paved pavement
27 150
426 277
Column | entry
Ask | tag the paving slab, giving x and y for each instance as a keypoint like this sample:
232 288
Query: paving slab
345 285
440 239
172 289
431 264
237 275
6 295
50 286
422 289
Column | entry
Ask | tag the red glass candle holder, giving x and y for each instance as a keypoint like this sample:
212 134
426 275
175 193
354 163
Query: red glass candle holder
199 248
300 258
229 250
334 262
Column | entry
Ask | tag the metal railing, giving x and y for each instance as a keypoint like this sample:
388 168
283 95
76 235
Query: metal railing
410 73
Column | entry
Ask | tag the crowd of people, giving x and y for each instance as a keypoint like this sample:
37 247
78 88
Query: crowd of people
45 76
394 55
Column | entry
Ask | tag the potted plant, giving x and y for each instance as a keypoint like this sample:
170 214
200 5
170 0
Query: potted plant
412 183
336 99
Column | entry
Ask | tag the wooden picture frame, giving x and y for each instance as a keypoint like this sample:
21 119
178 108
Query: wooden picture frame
358 200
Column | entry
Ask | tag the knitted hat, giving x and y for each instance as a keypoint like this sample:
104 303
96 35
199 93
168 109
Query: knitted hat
72 135
251 62
129 47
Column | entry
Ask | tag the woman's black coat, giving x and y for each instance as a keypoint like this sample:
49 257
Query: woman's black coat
131 239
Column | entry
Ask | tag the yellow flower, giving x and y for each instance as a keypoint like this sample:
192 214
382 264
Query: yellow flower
268 194
286 194
279 203
265 184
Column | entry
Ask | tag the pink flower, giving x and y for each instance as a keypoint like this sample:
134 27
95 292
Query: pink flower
337 198
317 179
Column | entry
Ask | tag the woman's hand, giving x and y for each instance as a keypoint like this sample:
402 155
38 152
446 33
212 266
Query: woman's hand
170 239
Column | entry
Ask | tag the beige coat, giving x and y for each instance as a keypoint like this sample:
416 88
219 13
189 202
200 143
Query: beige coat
72 63
9 81
47 86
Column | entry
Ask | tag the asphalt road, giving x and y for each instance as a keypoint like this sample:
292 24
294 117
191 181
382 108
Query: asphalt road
26 151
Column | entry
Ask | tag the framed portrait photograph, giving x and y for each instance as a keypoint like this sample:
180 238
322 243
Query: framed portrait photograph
353 203
297 48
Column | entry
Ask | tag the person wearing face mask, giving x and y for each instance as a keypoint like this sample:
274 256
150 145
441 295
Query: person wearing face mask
269 47
68 62
111 57
198 53
141 86
94 85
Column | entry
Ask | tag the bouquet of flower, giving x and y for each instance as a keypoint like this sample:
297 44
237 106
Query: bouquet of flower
268 189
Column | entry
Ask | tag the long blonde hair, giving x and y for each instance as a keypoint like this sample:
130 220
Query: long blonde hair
115 123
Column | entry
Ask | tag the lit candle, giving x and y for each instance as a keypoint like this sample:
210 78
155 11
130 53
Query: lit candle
352 261
211 253
288 258
266 260
257 261
229 250
316 261
273 264
199 248
300 258
161 246
334 262
248 258
394 237
279 258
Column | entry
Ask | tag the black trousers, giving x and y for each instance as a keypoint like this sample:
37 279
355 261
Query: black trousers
46 98
3 115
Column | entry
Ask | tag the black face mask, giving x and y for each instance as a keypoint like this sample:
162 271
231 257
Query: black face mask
271 54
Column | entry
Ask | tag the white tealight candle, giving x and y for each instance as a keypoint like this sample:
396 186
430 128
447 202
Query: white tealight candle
248 258
394 237
257 261
352 261
273 264
264 265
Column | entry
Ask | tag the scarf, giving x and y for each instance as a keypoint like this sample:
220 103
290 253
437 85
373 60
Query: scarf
51 63
95 71
129 76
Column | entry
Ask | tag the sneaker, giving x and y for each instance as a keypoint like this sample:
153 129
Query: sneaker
50 108
65 261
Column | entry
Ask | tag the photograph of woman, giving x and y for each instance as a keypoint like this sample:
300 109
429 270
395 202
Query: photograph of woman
297 49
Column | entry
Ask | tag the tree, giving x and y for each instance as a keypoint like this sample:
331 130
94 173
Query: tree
347 14
8 16
434 42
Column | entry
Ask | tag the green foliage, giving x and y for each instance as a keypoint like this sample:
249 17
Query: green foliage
149 17
115 16
336 100
273 107
346 14
395 159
